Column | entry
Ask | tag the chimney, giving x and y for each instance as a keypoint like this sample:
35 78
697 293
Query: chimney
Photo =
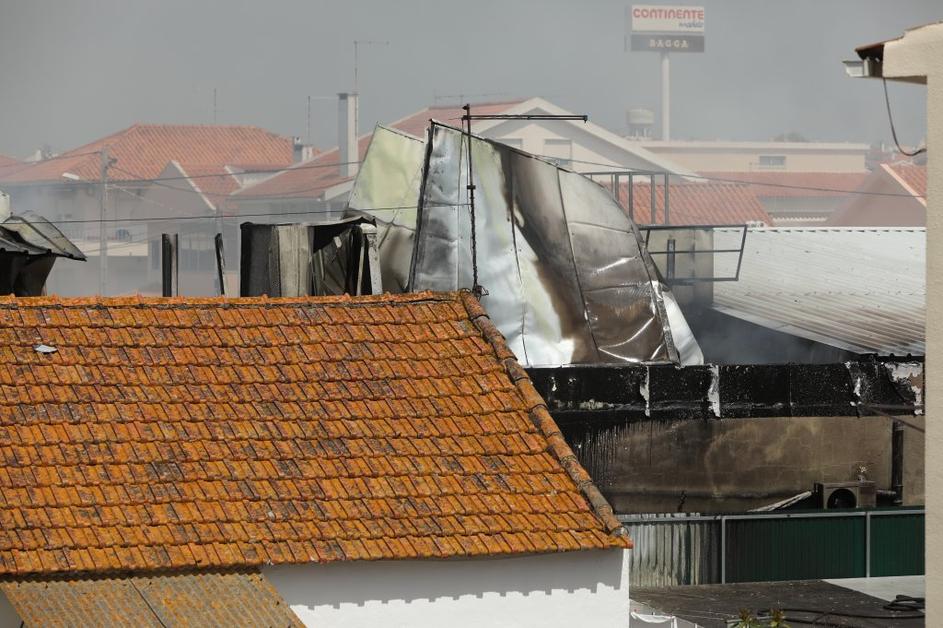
301 151
347 133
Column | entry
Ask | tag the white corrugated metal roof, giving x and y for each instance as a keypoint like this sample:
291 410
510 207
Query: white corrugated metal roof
860 289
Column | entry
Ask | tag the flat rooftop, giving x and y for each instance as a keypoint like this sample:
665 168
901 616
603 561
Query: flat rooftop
857 602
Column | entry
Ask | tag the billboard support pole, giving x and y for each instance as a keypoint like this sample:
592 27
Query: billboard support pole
665 97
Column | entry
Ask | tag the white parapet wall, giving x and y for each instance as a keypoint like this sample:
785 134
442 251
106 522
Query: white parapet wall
589 588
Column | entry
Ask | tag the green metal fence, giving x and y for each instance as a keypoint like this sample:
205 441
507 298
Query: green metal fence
760 547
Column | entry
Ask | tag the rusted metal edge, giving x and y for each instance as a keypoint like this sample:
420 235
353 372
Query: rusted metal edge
540 415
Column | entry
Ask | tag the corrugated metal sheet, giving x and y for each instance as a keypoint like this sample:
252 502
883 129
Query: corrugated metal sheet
670 552
897 545
186 599
859 289
680 549
795 549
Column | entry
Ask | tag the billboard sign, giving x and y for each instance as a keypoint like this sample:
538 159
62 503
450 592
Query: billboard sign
667 19
667 43
665 28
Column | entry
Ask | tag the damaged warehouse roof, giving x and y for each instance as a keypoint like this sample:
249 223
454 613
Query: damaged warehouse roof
566 277
858 289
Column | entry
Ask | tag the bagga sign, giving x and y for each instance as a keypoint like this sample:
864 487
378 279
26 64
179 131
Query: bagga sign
666 28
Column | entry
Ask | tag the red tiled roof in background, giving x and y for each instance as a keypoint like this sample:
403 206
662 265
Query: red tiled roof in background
311 178
793 184
913 176
214 182
204 433
10 165
307 179
143 151
697 204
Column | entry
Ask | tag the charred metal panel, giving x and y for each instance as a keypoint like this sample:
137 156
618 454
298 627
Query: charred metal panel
567 278
387 187
595 397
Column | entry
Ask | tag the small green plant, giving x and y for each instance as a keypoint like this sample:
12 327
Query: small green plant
777 619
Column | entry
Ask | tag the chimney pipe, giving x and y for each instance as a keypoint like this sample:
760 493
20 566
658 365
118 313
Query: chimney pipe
347 133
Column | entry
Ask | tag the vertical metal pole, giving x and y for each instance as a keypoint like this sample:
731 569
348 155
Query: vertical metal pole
897 462
665 95
176 264
670 264
102 235
723 550
667 219
867 544
166 265
653 202
220 264
476 289
631 196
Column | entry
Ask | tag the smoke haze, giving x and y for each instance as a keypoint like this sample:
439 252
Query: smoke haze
74 71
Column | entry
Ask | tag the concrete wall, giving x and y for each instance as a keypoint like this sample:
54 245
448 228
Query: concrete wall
919 55
734 465
568 589
724 157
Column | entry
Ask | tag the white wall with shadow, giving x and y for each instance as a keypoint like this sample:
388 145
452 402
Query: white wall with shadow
588 588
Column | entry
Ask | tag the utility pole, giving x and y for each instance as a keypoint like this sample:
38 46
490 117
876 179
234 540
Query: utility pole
106 161
357 43
665 97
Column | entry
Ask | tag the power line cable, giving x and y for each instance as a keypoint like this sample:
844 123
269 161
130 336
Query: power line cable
890 119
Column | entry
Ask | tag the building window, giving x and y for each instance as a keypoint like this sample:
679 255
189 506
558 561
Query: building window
559 151
772 161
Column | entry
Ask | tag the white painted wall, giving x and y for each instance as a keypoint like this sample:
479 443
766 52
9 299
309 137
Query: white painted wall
745 156
589 588
919 56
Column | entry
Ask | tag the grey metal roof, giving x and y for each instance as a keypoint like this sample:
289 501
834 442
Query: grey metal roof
859 289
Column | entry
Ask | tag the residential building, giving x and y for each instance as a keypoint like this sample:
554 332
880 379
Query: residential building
893 195
380 460
917 57
66 189
728 156
797 199
322 183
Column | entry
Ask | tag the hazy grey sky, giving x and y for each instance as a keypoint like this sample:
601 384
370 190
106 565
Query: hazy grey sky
75 70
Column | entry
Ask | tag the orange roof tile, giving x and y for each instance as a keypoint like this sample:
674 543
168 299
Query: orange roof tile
697 204
185 432
914 177
143 150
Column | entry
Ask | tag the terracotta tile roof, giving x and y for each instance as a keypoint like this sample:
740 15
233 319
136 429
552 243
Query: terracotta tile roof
143 150
311 178
214 182
697 204
794 184
308 179
186 599
183 433
912 176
